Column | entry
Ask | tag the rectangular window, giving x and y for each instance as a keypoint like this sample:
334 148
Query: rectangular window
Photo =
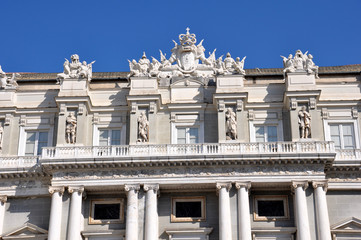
270 208
107 211
186 135
109 137
188 209
35 141
342 135
266 133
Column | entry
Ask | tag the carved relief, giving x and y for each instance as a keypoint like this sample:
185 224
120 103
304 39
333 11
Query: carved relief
143 128
304 121
231 124
70 131
299 63
8 82
76 69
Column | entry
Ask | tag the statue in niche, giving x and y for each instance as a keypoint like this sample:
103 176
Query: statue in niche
143 128
76 69
1 136
71 123
8 82
231 124
304 121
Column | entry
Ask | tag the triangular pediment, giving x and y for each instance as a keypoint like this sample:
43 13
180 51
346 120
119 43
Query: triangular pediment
27 229
348 224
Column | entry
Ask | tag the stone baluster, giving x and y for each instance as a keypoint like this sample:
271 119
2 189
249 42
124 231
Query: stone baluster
303 226
243 210
3 200
323 222
74 222
151 211
131 229
55 212
225 230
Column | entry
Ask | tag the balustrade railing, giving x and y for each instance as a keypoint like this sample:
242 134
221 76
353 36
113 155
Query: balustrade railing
145 150
18 161
348 154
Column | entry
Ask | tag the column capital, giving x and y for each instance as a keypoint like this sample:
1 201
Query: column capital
3 198
320 183
79 189
246 185
53 190
129 187
148 187
227 185
297 184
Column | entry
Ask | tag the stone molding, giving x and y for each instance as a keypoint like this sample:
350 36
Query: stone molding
76 189
323 184
296 184
130 187
151 187
3 199
227 185
53 190
246 185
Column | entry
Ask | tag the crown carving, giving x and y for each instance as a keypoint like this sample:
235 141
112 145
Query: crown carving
187 39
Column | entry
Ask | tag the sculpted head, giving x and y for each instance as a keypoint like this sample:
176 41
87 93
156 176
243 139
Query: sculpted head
75 58
290 56
238 59
303 108
228 55
310 56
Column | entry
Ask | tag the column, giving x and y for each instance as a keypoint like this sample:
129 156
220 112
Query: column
225 230
55 212
303 226
131 229
3 200
151 211
323 222
243 210
75 213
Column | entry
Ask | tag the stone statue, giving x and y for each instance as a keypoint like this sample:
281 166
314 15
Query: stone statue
71 123
219 67
1 136
304 121
311 66
75 69
239 65
140 68
229 64
7 82
164 60
154 67
231 124
299 63
143 128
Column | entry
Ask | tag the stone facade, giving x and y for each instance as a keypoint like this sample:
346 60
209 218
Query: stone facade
185 147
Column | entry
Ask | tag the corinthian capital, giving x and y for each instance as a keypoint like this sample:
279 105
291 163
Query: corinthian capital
130 187
53 190
322 183
297 184
3 199
151 187
79 189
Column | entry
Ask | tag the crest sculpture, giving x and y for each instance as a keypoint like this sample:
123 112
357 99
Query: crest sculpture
299 63
8 82
187 59
75 69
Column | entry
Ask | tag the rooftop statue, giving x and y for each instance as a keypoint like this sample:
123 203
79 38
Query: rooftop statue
8 82
140 68
301 62
76 69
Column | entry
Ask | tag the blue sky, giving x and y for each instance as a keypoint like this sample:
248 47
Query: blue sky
38 35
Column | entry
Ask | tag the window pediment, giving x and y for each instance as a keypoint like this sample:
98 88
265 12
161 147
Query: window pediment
27 230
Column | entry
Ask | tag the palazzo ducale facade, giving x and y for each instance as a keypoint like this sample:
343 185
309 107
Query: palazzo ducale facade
187 146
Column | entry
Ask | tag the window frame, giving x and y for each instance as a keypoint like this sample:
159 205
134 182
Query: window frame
327 129
111 126
265 123
93 221
23 135
198 125
284 198
201 199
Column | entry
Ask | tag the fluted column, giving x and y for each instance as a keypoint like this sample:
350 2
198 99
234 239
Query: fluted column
243 210
151 211
225 230
303 225
323 222
55 212
131 229
3 200
75 213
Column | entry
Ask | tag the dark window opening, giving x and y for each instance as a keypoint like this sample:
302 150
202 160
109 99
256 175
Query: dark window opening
188 209
106 211
271 208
